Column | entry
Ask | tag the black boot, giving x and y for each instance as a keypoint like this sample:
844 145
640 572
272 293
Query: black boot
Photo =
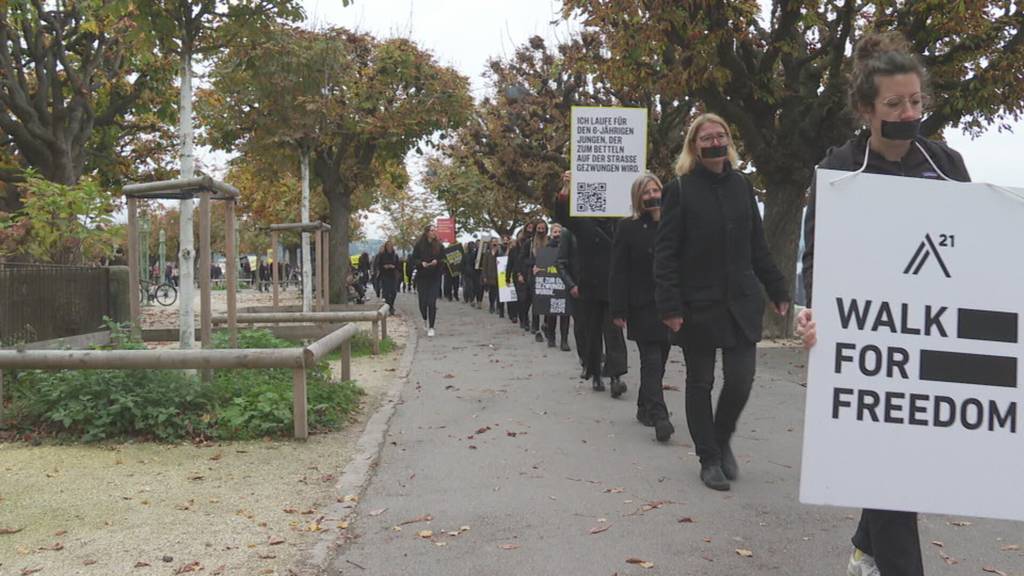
663 430
538 337
565 346
618 387
730 467
551 343
643 417
597 383
585 374
713 477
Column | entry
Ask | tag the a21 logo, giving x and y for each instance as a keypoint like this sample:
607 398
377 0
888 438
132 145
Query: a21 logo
927 249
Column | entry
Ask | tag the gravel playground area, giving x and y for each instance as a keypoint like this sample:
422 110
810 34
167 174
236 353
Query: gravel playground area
226 508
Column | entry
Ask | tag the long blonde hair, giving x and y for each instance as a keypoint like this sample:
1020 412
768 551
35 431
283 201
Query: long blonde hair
688 158
637 190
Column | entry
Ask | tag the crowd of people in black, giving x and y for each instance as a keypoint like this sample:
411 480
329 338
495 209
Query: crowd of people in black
690 267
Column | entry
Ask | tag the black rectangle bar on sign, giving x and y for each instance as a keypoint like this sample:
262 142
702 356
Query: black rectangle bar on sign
964 368
986 325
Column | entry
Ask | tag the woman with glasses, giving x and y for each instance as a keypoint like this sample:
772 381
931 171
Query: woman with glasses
888 88
710 263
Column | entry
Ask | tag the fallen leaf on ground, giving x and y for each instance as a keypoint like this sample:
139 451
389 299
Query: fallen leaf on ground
685 520
56 547
27 571
960 523
88 562
343 525
949 560
992 570
670 387
424 518
1010 548
482 430
599 529
449 376
141 564
425 533
640 563
196 477
190 567
938 543
10 530
614 490
440 543
464 529
60 533
508 546
744 552
262 556
217 456
378 512
275 540
350 498
219 570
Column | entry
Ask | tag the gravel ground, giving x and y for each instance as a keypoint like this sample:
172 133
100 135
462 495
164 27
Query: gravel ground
227 508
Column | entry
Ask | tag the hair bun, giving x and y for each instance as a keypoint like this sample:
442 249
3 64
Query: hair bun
874 44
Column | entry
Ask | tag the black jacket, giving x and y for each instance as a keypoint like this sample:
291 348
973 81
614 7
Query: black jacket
425 252
594 243
568 262
711 258
850 157
631 283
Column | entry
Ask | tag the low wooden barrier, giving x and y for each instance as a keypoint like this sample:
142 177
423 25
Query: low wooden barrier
297 359
378 319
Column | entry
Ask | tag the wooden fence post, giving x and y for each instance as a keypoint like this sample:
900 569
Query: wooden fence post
1 395
383 327
376 337
299 406
346 360
205 307
134 279
273 246
232 271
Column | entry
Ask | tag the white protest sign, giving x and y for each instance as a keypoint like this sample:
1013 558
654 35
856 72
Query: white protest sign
506 291
608 150
914 391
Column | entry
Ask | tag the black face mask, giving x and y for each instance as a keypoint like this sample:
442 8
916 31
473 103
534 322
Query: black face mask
650 203
905 130
709 152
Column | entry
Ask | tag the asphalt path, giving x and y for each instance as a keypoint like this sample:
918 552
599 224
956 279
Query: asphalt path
524 470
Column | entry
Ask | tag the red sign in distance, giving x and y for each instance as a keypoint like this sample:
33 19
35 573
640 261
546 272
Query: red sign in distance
446 230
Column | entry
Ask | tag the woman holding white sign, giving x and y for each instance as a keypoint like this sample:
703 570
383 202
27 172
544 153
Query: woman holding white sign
887 90
710 263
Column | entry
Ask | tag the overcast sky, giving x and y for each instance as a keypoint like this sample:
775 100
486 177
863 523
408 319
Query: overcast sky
466 33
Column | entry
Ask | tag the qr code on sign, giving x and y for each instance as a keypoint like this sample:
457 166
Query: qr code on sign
558 305
591 197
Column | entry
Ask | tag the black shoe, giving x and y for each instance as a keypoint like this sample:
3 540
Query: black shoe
585 374
729 466
618 387
565 346
713 477
538 337
597 384
551 343
643 418
663 430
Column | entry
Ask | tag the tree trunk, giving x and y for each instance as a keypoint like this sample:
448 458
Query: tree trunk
307 263
340 202
782 222
186 255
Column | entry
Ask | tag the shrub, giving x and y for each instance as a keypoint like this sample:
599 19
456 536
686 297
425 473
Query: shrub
170 405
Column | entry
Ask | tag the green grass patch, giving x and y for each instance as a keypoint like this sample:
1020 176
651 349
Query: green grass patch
362 345
172 405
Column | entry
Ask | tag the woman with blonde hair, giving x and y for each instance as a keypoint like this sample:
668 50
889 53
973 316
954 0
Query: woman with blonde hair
711 261
631 300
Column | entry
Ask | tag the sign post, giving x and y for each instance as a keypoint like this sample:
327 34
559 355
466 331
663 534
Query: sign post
608 152
918 351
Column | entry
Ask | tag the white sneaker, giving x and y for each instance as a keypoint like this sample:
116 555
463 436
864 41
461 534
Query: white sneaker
426 324
430 332
861 565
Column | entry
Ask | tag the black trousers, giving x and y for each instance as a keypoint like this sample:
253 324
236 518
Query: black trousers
651 398
428 292
892 539
389 287
524 304
710 431
469 287
562 322
580 330
600 330
492 299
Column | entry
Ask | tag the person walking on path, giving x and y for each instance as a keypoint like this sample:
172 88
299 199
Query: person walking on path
389 265
568 265
520 274
557 321
711 259
888 92
529 271
594 238
470 275
489 277
428 260
631 300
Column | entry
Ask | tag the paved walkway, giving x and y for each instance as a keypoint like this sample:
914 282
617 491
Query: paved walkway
521 466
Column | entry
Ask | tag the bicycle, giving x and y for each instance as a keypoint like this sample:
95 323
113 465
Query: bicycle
165 294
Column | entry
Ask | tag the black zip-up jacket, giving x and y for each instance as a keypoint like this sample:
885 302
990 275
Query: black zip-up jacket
631 281
711 257
850 157
594 243
568 262
425 252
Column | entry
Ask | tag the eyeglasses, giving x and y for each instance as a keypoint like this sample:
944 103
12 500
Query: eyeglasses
709 138
916 102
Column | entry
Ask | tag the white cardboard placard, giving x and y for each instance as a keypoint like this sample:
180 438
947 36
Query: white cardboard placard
608 151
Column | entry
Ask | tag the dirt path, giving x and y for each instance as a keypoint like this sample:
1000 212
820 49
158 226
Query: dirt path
233 508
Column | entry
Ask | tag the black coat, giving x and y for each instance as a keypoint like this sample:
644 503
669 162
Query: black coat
568 262
425 252
631 282
594 244
711 258
850 157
